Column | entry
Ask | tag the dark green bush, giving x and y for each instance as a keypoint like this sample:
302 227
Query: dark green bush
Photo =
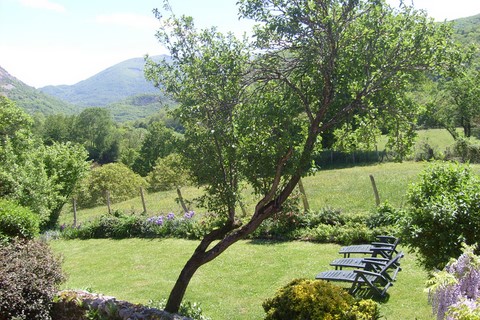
29 276
317 299
17 221
385 215
443 211
467 150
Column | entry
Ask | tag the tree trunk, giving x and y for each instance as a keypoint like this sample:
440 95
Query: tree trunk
228 235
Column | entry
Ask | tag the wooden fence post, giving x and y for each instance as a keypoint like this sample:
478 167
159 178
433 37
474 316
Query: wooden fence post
74 212
306 205
375 191
143 200
107 193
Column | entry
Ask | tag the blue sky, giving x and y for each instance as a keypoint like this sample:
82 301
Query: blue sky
52 42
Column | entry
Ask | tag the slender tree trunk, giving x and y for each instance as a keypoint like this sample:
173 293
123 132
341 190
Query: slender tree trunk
228 235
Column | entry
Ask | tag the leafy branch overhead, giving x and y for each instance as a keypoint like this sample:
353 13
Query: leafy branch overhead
256 111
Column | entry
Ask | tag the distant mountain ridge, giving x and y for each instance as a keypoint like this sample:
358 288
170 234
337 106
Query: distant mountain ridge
116 83
30 99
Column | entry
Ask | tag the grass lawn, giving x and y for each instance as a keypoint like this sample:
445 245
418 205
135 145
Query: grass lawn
231 287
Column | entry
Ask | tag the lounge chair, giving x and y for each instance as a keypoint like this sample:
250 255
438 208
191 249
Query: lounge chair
359 263
385 247
378 281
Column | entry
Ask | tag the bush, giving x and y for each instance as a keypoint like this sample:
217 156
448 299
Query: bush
17 221
467 150
120 226
443 211
192 310
29 277
385 215
317 299
121 182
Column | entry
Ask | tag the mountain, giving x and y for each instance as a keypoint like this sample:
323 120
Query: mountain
123 80
31 99
468 29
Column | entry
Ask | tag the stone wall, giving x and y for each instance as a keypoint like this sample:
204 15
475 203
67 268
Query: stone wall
73 304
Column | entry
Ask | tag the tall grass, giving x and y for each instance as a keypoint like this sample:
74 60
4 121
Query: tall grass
233 286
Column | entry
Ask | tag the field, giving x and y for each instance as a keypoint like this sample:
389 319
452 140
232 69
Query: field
234 285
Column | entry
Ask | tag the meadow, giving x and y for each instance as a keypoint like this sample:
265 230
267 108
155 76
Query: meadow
235 284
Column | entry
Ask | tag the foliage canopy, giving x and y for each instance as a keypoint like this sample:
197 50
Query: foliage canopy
255 111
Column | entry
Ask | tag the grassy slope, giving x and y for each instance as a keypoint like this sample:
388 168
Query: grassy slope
231 287
348 189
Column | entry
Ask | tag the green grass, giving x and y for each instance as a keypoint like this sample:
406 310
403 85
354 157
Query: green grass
231 287
347 189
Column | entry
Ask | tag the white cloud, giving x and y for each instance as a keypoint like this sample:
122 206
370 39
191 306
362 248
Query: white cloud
43 4
128 20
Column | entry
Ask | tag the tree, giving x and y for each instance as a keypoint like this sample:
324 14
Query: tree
36 176
95 129
464 89
256 113
116 178
159 142
169 173
65 165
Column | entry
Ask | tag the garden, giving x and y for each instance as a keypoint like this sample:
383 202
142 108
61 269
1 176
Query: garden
271 165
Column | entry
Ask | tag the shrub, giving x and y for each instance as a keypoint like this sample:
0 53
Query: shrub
29 277
317 299
120 226
443 211
454 292
467 150
121 182
191 310
17 221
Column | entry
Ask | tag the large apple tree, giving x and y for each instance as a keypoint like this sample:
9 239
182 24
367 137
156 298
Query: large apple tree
255 111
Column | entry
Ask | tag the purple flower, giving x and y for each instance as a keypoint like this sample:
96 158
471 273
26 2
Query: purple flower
159 221
189 214
170 216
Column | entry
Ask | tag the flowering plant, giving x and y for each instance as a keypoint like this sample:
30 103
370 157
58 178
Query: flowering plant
454 292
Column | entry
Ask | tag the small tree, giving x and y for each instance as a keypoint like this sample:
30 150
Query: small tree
443 212
36 176
169 173
121 182
255 112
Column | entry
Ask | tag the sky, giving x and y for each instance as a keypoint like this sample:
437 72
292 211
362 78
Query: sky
53 42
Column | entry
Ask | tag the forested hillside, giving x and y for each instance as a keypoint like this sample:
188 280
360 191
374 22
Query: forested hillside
31 99
468 29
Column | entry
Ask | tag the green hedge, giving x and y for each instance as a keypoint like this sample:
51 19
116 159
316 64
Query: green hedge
17 221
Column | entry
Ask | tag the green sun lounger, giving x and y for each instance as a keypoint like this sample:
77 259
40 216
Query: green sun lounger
377 281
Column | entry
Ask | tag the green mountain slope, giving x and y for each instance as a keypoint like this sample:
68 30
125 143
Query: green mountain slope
138 107
468 29
120 81
31 99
